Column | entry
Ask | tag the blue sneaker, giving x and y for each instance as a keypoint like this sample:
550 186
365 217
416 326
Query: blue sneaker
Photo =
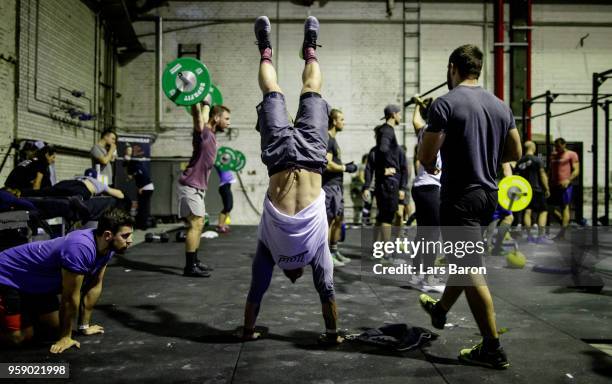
544 240
262 32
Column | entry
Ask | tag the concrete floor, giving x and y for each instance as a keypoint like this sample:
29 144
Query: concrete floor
163 327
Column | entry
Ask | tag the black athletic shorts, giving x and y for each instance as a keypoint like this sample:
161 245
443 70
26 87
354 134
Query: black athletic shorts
18 309
538 202
387 200
462 218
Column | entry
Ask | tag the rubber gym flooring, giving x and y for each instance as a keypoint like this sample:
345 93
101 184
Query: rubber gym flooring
163 327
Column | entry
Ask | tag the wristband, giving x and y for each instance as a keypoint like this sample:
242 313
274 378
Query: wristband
83 327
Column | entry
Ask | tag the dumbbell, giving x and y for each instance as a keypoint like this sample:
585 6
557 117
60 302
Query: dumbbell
153 237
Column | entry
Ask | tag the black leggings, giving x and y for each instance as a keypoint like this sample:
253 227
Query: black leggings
144 209
226 196
427 203
65 188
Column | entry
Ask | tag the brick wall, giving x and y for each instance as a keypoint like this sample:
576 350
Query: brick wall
7 79
361 63
56 49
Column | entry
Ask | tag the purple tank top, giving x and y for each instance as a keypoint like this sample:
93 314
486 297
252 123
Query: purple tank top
202 160
225 177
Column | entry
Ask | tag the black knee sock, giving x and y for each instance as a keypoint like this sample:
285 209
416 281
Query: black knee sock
501 234
190 258
490 344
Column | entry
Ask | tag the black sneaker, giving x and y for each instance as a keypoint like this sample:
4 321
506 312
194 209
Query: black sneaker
428 304
262 32
311 33
203 267
194 271
478 356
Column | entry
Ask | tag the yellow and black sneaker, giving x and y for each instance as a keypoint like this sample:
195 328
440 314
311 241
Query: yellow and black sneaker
477 355
429 305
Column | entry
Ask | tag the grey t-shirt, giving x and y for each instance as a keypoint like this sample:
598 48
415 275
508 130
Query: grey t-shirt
476 124
98 151
98 186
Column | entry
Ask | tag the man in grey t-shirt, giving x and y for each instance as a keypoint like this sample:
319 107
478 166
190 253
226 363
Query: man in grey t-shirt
474 132
104 152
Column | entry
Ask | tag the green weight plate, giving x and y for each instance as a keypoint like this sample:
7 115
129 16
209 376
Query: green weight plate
226 159
240 161
514 193
216 98
186 81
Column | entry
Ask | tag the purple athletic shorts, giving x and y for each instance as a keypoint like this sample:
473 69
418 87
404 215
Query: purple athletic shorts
301 145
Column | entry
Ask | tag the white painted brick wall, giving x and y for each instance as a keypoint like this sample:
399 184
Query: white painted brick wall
7 79
66 59
361 65
561 65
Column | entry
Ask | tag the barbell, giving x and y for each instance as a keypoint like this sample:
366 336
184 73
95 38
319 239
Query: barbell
216 98
186 81
514 193
413 100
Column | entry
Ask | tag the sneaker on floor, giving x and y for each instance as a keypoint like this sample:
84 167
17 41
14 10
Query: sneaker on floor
204 267
194 271
428 304
311 33
531 239
544 240
262 32
341 257
432 285
478 356
337 263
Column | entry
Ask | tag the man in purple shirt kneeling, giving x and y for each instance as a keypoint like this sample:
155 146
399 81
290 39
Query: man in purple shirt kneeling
33 274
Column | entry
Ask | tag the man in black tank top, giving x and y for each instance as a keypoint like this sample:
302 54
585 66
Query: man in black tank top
474 132
531 168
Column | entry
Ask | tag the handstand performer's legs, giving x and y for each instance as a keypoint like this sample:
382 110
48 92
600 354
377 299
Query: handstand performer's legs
311 76
268 81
